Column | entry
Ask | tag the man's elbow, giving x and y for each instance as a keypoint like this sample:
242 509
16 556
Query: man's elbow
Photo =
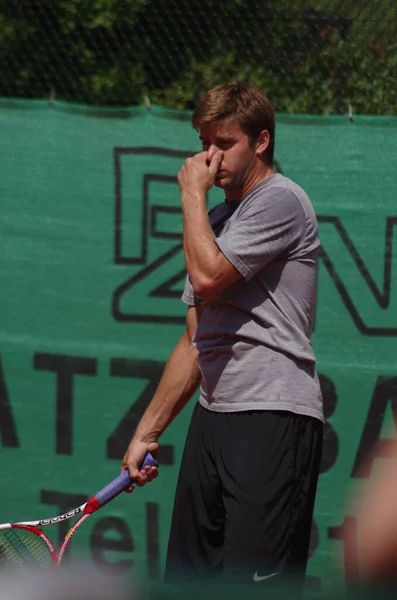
205 287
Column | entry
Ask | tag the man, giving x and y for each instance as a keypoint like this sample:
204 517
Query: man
246 489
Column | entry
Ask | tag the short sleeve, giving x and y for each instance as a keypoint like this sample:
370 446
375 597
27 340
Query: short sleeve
266 227
188 296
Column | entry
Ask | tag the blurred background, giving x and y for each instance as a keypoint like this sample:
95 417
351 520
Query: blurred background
95 106
315 56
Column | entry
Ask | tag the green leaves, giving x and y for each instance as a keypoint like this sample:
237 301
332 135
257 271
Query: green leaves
113 52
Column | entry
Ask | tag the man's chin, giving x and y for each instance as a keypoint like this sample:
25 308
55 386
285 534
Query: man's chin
220 182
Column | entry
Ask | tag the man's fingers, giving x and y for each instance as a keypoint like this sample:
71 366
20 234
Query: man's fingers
140 483
216 163
200 156
149 474
145 476
139 476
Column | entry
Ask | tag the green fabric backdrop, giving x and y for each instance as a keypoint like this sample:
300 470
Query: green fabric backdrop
91 273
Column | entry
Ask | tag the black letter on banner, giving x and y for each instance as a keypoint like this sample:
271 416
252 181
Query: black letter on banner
7 424
152 539
331 442
99 543
371 446
136 369
63 503
66 368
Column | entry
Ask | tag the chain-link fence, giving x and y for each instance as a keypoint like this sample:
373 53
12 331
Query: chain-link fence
310 56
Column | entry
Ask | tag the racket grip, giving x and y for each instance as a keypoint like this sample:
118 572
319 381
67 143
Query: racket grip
122 482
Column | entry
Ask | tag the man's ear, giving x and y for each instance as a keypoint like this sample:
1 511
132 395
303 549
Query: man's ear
262 142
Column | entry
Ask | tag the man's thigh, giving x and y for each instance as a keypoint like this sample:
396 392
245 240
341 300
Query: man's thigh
268 463
195 548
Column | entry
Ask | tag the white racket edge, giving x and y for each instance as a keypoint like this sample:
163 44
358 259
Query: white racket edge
43 522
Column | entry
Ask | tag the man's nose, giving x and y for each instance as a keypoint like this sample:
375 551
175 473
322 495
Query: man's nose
212 150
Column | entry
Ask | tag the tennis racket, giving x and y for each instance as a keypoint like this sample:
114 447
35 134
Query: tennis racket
25 544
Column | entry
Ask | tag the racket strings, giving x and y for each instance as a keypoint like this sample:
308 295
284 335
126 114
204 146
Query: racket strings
19 547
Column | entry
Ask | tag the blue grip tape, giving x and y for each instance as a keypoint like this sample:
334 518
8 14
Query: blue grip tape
122 482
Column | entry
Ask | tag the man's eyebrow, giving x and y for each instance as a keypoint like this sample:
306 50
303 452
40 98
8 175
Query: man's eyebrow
220 138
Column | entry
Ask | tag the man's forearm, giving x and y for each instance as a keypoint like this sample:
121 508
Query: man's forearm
200 249
180 380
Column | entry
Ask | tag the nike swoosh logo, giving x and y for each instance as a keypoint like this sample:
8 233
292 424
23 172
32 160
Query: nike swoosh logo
258 578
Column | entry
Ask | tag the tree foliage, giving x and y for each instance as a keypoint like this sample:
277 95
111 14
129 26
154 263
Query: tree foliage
114 52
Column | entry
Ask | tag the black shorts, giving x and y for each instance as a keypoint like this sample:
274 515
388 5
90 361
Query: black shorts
245 497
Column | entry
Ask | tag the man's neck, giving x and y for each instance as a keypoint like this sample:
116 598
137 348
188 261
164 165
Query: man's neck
236 195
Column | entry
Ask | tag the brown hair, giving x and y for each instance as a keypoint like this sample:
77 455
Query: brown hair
242 103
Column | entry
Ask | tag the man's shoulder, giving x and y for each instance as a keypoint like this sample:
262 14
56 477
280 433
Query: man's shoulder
281 188
281 182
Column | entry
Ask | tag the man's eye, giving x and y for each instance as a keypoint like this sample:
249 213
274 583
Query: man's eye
225 145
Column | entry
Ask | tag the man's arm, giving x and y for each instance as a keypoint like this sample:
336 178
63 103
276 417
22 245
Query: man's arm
209 270
180 380
265 229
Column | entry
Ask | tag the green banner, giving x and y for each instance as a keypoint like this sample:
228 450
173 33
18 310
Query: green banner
91 275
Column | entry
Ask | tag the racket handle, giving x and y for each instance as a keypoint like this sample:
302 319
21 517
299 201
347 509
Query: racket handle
122 482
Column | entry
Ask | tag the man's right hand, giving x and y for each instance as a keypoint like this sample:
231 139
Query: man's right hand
134 457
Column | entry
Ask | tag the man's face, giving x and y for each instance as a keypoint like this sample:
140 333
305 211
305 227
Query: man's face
240 157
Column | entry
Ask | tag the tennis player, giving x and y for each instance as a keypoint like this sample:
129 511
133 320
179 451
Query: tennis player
247 483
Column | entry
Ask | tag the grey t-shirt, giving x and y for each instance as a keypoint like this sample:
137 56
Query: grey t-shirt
254 337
